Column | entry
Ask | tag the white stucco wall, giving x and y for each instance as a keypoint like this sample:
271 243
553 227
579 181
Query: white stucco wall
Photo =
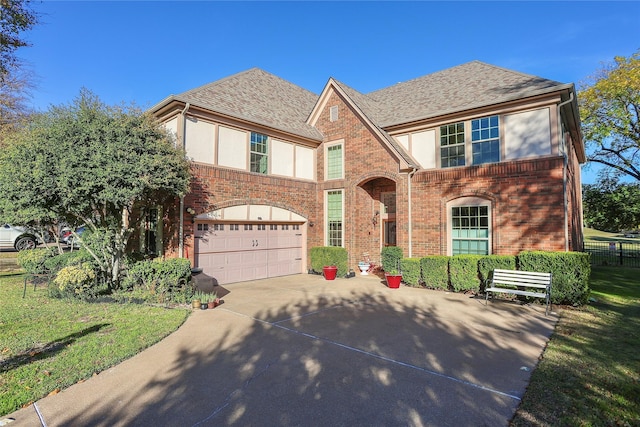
527 134
200 140
423 148
305 163
282 159
232 148
172 126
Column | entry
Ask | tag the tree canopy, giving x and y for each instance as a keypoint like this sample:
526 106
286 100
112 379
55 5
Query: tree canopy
93 164
609 110
16 17
612 206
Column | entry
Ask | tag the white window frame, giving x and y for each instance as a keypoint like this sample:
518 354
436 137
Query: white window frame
327 148
327 238
469 201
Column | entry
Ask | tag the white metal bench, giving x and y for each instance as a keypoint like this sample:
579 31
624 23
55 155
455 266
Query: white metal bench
521 280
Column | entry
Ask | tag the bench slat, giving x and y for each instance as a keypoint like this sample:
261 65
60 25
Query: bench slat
518 292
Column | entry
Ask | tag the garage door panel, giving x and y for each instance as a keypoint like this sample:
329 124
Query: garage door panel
239 252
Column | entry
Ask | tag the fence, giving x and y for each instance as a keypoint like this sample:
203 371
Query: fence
613 253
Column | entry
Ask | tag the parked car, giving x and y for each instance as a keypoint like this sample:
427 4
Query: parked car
17 237
69 239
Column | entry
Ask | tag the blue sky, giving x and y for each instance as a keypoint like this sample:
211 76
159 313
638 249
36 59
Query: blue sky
145 51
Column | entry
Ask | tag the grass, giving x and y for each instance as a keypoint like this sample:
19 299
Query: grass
49 344
593 235
589 374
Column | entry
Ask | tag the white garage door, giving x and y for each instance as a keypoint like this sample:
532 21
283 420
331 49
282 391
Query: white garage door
240 252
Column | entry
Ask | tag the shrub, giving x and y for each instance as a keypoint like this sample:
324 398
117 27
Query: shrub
166 280
435 271
329 255
410 268
488 263
77 281
570 273
463 272
33 261
390 257
58 262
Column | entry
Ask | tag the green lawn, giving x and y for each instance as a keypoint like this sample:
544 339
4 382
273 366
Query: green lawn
592 235
590 371
49 344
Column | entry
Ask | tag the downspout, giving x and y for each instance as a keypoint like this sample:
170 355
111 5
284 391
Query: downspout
184 147
564 174
410 224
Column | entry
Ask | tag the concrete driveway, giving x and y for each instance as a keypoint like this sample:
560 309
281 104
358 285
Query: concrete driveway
302 351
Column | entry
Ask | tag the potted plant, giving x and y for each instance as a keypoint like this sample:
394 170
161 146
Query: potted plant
394 277
213 300
204 299
330 272
196 302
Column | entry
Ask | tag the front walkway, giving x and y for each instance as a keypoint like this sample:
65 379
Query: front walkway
299 350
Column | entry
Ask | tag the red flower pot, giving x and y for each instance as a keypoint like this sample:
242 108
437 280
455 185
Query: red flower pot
393 281
330 272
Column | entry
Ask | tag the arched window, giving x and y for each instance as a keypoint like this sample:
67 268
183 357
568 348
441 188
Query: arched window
469 226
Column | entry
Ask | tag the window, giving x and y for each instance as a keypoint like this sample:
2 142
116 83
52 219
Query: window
452 145
485 140
151 236
334 218
470 230
334 161
388 202
259 149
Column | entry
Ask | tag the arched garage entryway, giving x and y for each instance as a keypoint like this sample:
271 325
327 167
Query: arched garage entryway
249 242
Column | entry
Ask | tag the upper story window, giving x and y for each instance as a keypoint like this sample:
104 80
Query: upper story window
259 150
485 140
452 145
334 162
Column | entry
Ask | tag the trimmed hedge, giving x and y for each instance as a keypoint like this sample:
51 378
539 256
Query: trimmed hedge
570 270
570 273
390 257
435 271
463 272
410 268
330 255
488 263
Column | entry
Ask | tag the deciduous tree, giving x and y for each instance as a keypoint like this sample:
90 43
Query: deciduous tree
89 163
610 109
612 206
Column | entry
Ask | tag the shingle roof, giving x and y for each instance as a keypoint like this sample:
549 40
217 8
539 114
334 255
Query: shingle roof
260 97
471 85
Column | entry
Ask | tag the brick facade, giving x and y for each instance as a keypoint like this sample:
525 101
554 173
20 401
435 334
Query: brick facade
535 202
